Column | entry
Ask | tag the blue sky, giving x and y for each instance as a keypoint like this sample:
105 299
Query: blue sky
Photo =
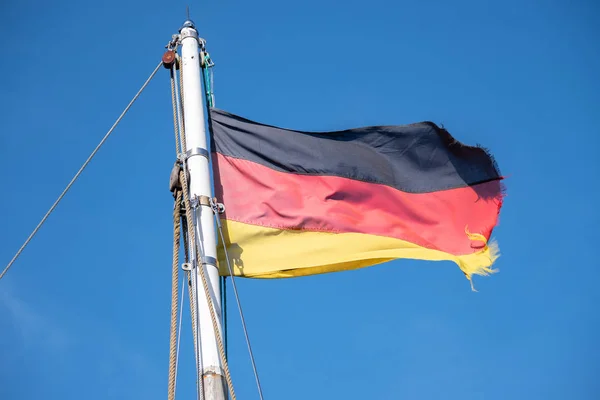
84 313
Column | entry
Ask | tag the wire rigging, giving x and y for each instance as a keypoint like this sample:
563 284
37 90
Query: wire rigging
224 312
239 305
182 286
183 225
85 164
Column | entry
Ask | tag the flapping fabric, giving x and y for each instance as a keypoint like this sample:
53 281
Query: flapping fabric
304 203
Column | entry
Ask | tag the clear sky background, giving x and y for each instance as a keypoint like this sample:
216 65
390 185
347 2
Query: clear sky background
84 313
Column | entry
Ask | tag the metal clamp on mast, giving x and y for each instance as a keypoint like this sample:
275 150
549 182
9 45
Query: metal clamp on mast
198 151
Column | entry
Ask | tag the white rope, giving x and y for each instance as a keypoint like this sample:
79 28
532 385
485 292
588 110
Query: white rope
85 164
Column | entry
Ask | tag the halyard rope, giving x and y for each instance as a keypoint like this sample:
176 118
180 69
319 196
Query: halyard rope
174 294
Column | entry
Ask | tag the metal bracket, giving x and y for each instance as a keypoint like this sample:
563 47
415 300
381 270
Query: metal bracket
206 201
191 32
201 200
196 151
207 260
172 45
205 60
218 208
188 30
186 266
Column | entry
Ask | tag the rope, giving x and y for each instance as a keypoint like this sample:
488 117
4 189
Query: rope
188 277
174 339
191 234
191 293
179 331
224 308
191 278
174 293
199 371
179 107
85 164
183 141
239 305
174 102
210 103
207 293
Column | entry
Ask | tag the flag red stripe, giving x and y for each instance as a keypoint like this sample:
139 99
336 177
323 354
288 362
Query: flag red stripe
256 194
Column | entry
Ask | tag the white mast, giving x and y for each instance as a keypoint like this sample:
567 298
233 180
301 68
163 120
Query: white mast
213 381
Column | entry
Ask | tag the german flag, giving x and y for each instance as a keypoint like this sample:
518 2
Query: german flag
304 203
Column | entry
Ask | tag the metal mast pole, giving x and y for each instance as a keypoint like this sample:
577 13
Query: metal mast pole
213 381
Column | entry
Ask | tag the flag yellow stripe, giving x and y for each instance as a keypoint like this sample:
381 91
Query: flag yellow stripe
261 252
